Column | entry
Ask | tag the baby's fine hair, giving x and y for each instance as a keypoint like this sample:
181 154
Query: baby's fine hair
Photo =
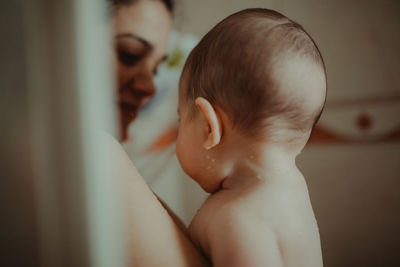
232 67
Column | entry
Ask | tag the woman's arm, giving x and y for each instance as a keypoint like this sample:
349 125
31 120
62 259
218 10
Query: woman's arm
155 238
174 217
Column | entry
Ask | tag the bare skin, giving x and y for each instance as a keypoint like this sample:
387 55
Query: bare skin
156 239
265 221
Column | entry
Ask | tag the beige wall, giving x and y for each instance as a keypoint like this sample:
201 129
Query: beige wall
355 195
355 188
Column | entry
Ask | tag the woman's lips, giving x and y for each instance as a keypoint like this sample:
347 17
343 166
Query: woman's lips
129 111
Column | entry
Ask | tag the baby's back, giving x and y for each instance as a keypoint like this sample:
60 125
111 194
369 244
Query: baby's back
259 225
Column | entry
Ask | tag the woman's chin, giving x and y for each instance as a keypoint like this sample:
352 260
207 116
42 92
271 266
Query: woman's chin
126 118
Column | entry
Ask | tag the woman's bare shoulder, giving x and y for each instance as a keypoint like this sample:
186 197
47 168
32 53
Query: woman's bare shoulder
156 238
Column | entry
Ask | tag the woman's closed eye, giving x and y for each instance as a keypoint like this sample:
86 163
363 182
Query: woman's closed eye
128 59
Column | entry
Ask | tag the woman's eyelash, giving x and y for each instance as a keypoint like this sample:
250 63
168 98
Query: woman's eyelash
128 59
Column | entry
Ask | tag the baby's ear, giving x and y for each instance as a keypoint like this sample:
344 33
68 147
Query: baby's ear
214 129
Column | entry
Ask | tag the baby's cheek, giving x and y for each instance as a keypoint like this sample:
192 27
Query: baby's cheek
182 155
179 149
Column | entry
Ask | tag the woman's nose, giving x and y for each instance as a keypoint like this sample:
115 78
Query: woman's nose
144 84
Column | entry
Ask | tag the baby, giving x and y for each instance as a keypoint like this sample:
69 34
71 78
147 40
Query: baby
250 94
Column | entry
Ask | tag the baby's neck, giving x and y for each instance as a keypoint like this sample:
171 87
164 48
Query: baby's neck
262 165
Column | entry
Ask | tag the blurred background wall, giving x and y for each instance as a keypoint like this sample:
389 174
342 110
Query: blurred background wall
352 163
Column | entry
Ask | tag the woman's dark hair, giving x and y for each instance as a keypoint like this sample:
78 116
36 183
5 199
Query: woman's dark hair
115 3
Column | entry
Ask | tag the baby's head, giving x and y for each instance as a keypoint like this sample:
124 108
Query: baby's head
263 72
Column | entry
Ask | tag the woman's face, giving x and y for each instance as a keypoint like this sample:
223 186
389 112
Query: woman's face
141 34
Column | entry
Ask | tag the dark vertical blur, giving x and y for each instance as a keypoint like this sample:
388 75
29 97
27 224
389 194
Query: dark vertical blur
18 235
43 211
59 204
18 228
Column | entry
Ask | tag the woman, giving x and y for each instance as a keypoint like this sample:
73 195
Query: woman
141 30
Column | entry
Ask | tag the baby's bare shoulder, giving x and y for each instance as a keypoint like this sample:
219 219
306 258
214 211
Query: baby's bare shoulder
253 227
238 237
233 234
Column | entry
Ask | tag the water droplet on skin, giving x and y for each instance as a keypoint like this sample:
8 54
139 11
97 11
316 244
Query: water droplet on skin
213 160
207 157
208 167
